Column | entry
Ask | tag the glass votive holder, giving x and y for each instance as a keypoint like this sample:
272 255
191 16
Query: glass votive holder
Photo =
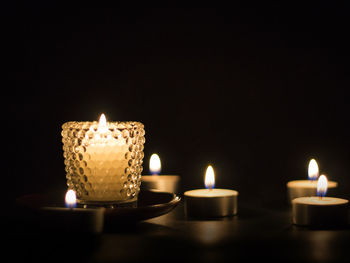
103 163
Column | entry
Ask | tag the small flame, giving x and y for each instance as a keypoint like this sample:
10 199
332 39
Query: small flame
322 185
209 180
102 124
154 164
71 199
313 170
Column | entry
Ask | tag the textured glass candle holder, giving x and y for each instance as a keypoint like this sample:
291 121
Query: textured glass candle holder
103 166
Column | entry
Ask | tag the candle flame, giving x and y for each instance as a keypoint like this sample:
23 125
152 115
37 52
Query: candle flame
71 199
313 170
155 165
102 124
322 185
209 180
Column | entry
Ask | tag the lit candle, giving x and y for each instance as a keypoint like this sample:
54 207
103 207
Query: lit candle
70 199
320 211
72 219
300 188
210 202
166 183
104 160
155 165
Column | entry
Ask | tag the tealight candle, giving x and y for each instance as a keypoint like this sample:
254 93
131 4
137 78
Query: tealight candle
320 210
72 219
210 202
104 160
166 183
300 188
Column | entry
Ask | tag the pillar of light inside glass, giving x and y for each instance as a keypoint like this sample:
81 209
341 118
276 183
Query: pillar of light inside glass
103 160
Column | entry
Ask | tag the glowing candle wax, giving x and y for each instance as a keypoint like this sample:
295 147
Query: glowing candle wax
300 188
166 183
104 160
210 202
107 157
320 210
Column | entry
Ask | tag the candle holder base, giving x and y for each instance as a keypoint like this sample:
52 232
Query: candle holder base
109 204
149 204
211 207
311 211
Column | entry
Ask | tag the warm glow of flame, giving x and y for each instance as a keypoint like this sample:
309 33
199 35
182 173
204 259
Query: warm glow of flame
102 124
71 199
154 164
322 185
313 170
209 180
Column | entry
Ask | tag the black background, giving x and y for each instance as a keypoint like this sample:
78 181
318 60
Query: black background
254 89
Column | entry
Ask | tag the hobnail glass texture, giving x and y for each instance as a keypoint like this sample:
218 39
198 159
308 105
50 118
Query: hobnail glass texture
103 167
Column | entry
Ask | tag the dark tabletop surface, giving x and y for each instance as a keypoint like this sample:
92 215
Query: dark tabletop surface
256 233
